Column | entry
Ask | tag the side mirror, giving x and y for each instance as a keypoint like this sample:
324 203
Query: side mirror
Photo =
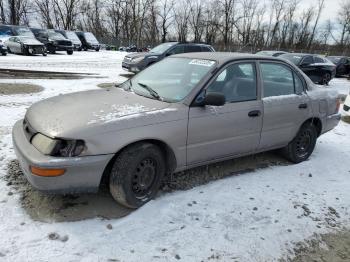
212 99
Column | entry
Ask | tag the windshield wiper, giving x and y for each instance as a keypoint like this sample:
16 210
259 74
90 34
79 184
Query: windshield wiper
151 91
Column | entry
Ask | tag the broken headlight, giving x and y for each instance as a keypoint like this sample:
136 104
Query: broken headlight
57 147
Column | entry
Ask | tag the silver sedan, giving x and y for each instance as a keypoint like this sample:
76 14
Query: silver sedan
187 110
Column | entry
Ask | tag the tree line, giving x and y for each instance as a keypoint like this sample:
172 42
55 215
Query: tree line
229 25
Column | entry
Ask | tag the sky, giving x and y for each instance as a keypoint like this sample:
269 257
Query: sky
329 12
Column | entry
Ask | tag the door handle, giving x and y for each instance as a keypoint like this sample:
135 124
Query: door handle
302 106
254 113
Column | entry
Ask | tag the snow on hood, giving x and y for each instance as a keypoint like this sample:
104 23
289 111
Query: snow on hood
31 41
66 115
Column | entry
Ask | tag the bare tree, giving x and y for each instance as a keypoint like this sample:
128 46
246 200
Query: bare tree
166 15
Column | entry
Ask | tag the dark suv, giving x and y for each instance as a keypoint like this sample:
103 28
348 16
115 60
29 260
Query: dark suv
139 61
70 35
88 41
53 41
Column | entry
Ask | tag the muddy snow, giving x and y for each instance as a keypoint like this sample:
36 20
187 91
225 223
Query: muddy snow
257 208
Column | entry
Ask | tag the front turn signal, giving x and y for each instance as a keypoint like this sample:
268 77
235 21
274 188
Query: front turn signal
47 172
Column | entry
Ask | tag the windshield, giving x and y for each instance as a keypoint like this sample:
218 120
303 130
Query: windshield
55 36
72 36
171 79
90 37
162 47
24 31
295 59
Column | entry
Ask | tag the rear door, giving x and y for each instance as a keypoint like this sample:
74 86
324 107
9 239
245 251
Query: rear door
286 104
216 132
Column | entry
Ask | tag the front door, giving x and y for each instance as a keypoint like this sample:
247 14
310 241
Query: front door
286 105
229 130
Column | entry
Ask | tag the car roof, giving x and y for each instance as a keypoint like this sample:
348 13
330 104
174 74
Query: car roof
224 57
184 43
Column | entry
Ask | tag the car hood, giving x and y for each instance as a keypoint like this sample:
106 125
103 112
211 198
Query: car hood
136 55
97 111
31 42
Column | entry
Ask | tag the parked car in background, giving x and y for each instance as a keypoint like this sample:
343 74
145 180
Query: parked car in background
342 64
271 53
25 45
72 37
15 30
187 110
319 69
346 106
53 41
3 48
88 41
138 61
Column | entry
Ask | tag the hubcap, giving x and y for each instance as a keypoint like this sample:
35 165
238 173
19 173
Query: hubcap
144 177
303 143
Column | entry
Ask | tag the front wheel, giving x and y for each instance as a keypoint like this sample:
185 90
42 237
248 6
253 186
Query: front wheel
70 52
302 145
136 175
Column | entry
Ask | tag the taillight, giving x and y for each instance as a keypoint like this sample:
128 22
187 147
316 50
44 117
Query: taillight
338 105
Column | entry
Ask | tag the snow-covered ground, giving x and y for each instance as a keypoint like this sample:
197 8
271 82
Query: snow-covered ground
255 216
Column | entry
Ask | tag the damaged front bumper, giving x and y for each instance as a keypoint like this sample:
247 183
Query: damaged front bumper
82 174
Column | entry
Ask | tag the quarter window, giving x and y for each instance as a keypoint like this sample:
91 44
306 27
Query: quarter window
237 83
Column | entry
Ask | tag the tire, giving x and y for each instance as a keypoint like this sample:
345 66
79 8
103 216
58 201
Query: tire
4 54
326 78
97 49
302 145
25 51
51 50
136 175
44 54
70 52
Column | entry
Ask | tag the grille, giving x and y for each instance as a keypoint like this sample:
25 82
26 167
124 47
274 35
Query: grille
65 43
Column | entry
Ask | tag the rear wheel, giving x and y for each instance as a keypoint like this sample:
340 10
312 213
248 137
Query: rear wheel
70 52
51 49
136 174
302 145
326 78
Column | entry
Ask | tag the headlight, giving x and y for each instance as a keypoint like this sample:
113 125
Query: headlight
138 59
58 147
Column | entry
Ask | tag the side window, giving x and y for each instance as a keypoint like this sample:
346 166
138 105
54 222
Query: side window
237 83
318 59
192 48
206 49
308 60
277 79
177 50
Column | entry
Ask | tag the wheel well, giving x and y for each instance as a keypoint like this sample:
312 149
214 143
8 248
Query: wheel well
170 159
317 123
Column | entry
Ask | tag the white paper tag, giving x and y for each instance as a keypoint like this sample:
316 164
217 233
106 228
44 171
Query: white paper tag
202 62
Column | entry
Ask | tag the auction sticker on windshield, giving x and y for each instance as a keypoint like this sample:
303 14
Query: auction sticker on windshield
202 62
